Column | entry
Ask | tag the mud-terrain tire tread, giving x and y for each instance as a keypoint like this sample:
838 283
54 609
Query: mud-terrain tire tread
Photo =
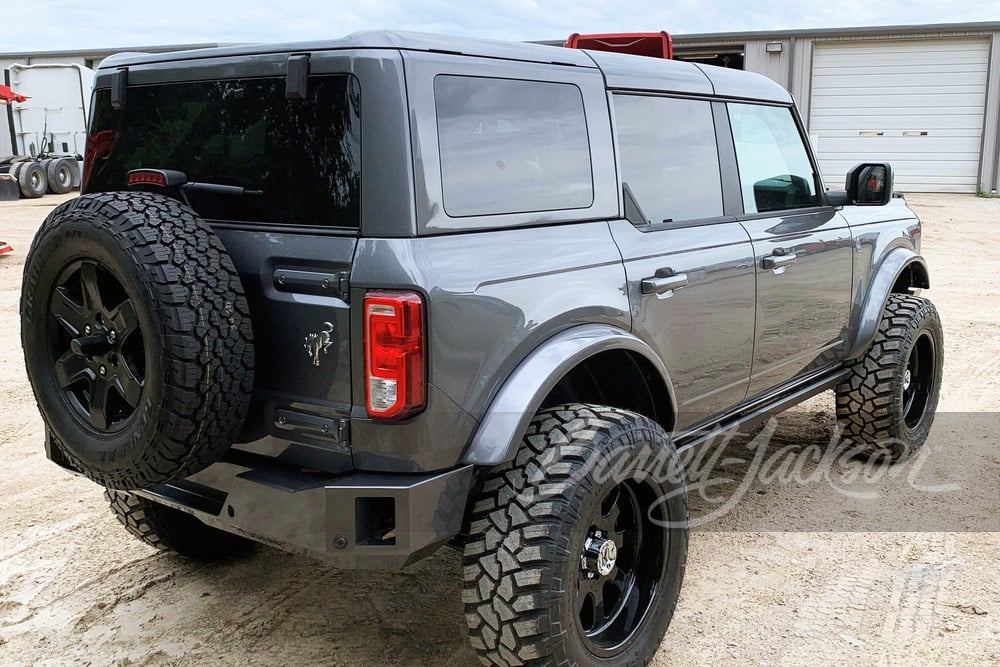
194 289
168 529
868 406
513 541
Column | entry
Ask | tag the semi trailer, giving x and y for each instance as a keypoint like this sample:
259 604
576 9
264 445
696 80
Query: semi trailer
43 128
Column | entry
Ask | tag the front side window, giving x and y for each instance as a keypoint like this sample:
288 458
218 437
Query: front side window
775 171
510 146
670 160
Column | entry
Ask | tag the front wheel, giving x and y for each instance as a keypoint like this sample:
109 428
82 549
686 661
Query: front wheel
577 548
886 406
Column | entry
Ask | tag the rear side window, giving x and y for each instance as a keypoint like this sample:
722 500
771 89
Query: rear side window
510 146
670 159
303 156
775 171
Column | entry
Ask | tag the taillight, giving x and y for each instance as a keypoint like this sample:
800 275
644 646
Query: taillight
395 385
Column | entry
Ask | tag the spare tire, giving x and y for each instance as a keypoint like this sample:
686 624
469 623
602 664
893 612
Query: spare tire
137 338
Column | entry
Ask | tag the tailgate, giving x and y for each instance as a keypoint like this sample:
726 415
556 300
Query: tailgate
297 289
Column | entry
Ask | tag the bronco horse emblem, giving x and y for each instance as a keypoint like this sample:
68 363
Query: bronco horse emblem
318 343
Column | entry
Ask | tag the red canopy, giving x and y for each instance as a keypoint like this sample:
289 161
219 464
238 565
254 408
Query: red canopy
7 96
655 44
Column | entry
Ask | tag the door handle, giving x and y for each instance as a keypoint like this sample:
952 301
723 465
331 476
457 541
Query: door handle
778 261
661 284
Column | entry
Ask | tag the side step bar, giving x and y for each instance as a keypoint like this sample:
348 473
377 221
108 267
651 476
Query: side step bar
759 409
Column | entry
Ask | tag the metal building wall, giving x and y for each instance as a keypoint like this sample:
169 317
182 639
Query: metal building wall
792 67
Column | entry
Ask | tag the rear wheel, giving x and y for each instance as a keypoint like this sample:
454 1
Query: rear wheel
61 174
577 548
168 529
886 406
32 179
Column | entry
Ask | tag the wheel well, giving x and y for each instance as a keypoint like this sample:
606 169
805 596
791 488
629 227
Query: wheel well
619 379
913 275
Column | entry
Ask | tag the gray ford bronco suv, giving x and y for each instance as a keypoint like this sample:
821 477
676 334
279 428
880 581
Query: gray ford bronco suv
366 297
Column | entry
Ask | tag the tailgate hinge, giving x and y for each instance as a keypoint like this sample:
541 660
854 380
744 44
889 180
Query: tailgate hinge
344 285
297 77
119 87
344 433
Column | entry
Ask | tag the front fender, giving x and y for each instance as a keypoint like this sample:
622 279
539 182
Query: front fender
885 276
501 428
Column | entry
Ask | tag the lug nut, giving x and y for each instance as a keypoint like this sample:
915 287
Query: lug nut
103 371
112 335
86 329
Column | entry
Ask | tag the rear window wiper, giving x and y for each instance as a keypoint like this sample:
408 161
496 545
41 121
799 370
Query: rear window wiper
216 189
169 178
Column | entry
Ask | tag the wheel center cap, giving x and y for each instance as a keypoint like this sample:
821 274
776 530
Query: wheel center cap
907 378
599 556
606 557
90 346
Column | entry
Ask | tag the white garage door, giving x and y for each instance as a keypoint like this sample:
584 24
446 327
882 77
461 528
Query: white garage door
916 104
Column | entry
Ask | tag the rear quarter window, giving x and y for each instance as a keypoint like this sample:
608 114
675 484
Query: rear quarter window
304 156
511 146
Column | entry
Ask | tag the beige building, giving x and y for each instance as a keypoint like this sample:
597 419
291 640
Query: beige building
924 98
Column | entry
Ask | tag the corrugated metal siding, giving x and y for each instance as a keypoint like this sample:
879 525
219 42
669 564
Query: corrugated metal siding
917 104
772 65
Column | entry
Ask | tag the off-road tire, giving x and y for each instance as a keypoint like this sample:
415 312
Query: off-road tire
61 174
190 309
525 529
871 406
32 179
168 529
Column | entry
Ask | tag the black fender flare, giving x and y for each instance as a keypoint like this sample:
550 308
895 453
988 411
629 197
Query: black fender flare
884 278
500 430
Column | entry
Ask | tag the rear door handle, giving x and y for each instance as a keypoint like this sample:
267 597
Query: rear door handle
661 284
778 261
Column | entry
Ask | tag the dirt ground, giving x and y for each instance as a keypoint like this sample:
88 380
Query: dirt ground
898 569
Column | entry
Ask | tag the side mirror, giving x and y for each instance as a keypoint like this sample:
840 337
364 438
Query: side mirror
869 184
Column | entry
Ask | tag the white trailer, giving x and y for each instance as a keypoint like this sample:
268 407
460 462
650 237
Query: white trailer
43 139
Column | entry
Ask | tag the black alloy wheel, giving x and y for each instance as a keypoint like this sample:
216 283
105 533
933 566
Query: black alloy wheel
621 565
97 345
918 381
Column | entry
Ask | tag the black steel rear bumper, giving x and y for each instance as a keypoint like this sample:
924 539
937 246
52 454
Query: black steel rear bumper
357 520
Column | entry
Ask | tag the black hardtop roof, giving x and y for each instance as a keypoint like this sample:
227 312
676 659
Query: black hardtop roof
620 71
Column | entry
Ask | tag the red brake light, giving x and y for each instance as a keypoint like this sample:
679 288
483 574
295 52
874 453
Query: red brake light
147 177
395 384
164 178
